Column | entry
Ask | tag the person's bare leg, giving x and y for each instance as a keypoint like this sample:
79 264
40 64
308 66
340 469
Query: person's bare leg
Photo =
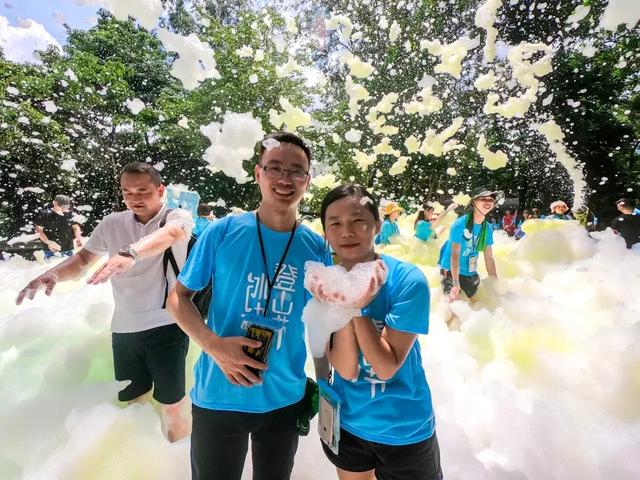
142 399
344 475
175 424
450 318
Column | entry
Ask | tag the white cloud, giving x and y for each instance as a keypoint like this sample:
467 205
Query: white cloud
19 43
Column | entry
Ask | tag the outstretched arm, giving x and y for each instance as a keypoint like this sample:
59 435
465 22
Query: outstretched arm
148 246
72 268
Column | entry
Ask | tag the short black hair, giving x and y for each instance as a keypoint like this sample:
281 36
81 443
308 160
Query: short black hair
349 190
204 210
142 168
286 137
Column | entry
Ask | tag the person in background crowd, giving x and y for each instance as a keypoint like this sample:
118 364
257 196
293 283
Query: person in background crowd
390 226
627 225
205 217
55 227
519 233
426 221
559 211
509 222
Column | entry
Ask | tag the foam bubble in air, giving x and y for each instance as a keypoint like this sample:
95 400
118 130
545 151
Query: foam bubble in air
232 142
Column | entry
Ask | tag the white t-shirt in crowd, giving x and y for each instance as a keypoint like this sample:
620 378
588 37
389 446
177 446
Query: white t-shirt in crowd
139 293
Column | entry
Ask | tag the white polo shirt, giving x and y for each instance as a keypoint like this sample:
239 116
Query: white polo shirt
139 293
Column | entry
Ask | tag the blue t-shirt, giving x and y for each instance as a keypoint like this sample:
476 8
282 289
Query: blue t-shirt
468 246
423 230
397 411
239 296
388 230
201 224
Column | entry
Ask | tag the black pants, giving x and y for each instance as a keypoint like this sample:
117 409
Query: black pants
219 443
468 283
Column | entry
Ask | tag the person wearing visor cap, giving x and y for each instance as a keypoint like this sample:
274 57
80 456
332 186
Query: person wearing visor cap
559 211
470 234
55 227
390 228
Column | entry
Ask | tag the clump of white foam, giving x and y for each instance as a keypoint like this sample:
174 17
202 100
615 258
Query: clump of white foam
327 180
135 106
232 142
555 137
270 143
485 18
343 289
195 62
50 106
625 12
291 117
451 55
491 160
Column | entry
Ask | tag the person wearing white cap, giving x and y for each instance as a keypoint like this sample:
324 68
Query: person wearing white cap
559 211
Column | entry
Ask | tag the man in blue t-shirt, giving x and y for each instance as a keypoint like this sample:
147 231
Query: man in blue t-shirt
255 262
470 234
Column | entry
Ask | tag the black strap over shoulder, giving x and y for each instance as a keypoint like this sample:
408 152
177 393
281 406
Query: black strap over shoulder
169 258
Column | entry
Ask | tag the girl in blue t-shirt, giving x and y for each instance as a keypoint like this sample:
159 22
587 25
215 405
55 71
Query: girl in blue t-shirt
389 227
387 423
426 221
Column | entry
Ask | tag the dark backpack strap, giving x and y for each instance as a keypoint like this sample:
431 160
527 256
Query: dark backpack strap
168 257
165 259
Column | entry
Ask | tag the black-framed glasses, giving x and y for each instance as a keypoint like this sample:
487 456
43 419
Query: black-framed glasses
275 172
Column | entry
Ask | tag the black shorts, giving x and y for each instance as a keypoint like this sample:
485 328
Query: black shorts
468 283
417 461
151 358
219 443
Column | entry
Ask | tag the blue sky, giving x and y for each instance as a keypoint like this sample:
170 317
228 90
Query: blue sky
44 12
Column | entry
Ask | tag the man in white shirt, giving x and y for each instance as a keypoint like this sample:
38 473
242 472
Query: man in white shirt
149 349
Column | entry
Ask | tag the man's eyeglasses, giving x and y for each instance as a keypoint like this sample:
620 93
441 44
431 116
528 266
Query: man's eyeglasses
277 173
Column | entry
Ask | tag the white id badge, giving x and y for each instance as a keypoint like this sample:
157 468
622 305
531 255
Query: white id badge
329 416
473 264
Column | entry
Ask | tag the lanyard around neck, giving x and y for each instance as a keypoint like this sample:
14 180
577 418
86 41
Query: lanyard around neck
271 282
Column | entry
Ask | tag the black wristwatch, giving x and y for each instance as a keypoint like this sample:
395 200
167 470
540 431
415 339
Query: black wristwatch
128 252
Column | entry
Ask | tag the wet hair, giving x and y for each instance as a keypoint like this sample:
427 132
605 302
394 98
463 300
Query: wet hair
349 190
286 137
204 210
140 168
